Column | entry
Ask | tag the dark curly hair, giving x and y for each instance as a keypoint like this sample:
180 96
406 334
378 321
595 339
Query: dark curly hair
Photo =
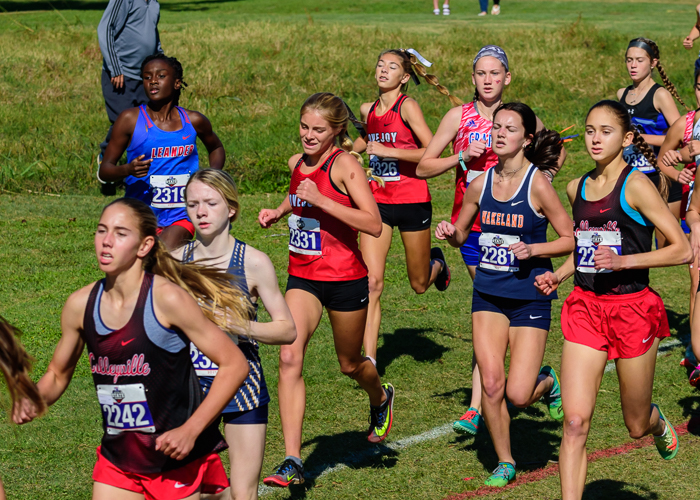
174 63
545 148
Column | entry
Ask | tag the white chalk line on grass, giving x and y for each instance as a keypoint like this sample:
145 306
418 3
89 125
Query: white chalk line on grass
436 432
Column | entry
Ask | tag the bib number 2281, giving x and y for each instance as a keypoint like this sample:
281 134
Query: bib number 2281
494 253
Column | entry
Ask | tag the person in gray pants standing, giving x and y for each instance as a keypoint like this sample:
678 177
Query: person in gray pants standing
128 33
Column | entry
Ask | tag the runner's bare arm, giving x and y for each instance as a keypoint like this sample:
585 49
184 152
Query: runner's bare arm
205 133
456 234
262 280
175 308
431 164
65 357
348 175
121 136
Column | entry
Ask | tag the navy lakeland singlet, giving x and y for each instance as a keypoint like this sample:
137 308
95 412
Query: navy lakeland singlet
175 158
610 221
253 393
146 385
505 223
647 120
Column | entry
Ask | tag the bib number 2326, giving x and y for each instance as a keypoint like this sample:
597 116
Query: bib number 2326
587 244
124 408
386 168
494 253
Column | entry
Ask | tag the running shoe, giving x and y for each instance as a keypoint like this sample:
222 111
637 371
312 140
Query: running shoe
443 279
482 13
553 397
502 475
445 10
495 10
436 12
468 423
668 443
381 417
288 472
694 378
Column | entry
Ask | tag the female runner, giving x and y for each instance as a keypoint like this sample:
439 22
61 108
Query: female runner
15 365
329 201
651 109
160 140
212 206
160 439
395 129
612 313
516 202
682 137
468 127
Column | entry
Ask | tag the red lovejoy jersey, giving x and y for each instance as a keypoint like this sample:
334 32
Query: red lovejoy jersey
401 185
321 247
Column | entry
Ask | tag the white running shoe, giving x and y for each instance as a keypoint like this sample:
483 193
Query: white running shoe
495 10
445 10
481 14
436 12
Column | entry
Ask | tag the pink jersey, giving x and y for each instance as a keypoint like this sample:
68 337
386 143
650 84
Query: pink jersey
472 127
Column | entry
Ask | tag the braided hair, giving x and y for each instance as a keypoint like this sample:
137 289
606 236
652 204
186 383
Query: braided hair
655 54
173 63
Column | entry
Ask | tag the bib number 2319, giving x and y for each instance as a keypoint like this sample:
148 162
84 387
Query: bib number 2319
124 408
168 190
494 253
588 242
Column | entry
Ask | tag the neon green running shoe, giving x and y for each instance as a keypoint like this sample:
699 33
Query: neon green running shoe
468 423
668 443
381 417
553 398
502 475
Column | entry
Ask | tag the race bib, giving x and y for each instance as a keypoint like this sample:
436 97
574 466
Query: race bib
124 408
494 253
168 190
304 235
586 246
473 174
691 187
203 366
386 168
634 158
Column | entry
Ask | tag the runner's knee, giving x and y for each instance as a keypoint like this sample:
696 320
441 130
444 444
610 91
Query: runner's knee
376 284
291 361
576 426
493 384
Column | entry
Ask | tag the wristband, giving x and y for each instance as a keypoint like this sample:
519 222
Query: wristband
461 161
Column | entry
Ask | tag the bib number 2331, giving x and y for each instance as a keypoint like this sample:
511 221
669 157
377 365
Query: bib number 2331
304 235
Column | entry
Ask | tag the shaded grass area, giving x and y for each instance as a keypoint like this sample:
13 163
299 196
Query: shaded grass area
425 352
250 65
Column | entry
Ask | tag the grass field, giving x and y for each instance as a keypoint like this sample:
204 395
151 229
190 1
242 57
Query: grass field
250 64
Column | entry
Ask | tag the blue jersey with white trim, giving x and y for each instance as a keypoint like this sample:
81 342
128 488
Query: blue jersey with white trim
504 223
175 158
253 392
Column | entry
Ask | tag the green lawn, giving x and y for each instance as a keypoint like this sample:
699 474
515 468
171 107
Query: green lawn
250 65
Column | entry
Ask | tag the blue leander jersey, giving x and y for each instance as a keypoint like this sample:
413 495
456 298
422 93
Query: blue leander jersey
253 393
175 158
504 223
